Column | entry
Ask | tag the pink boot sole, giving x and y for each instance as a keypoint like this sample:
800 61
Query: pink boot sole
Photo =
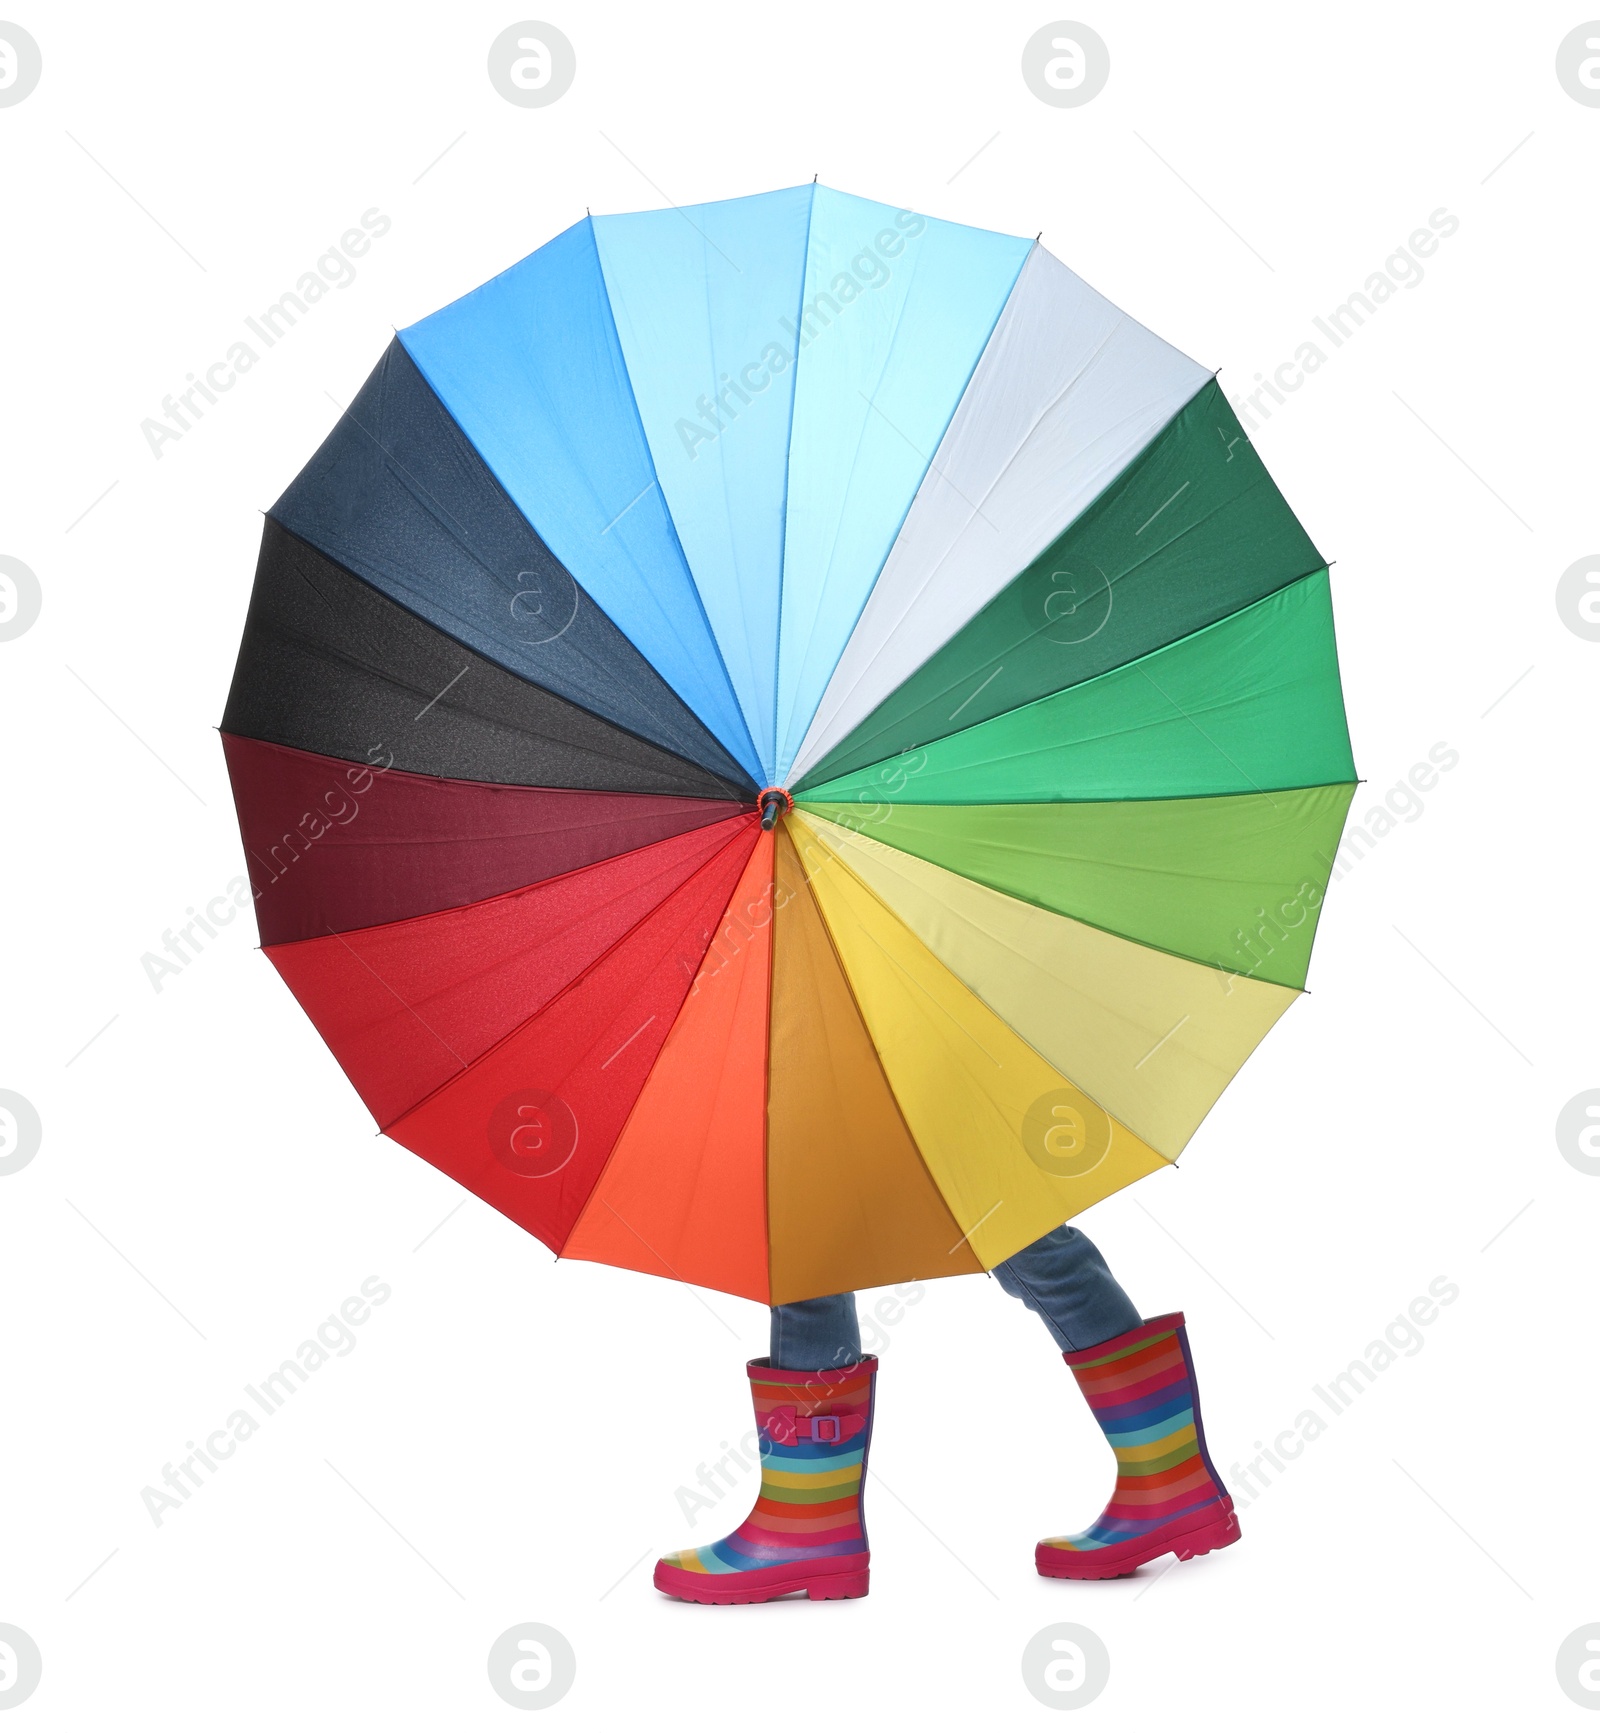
1125 1557
823 1581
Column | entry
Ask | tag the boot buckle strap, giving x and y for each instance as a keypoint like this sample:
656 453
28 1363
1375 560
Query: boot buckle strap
784 1426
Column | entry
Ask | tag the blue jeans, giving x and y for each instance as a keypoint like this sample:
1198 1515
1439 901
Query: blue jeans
1062 1277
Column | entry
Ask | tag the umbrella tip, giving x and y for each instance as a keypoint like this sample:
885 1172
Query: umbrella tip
774 803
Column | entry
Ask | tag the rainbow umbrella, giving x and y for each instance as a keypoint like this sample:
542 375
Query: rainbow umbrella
788 744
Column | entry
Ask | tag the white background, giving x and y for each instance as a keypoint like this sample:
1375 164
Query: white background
523 1426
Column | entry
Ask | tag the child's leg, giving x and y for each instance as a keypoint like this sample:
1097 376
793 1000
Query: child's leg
1064 1279
811 1334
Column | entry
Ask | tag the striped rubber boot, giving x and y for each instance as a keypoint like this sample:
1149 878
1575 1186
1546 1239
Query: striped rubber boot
806 1531
1168 1497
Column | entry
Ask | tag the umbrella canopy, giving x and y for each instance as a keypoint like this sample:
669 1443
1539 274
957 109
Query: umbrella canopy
788 744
